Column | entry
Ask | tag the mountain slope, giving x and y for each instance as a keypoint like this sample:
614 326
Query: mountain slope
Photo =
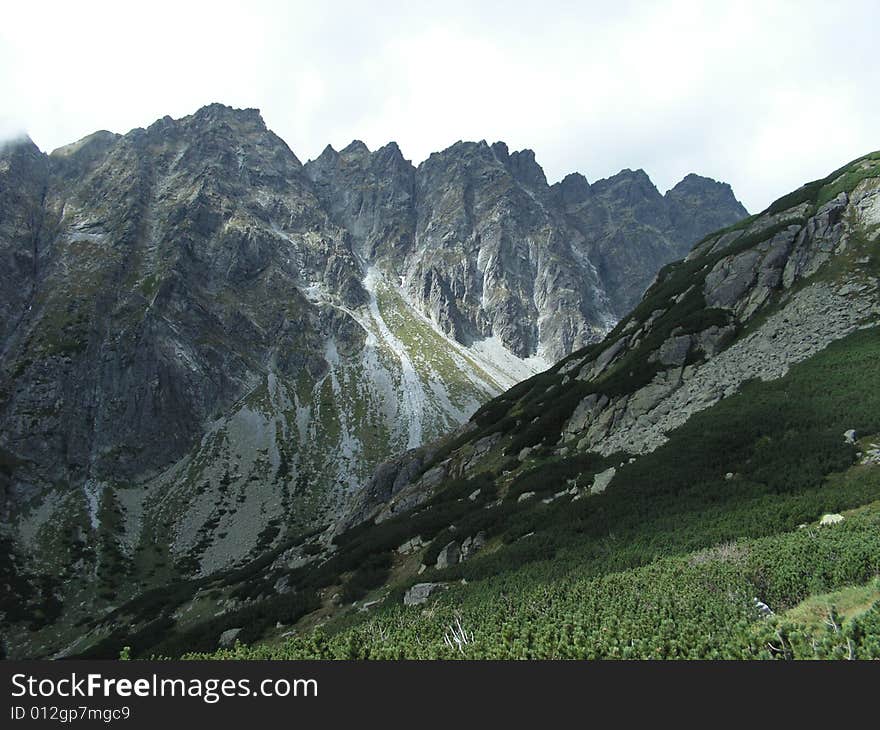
706 432
664 472
746 303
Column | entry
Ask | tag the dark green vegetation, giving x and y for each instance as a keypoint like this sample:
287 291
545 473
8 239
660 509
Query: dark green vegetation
698 605
149 624
25 597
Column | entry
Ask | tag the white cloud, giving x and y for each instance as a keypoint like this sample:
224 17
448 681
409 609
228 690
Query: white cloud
764 95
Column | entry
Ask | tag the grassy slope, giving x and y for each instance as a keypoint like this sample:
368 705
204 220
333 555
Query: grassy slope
666 562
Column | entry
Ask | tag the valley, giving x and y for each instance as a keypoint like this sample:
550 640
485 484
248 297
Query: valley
360 409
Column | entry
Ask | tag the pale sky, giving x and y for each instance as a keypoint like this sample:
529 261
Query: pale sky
764 95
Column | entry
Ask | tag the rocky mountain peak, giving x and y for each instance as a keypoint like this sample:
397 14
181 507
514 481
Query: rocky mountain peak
89 146
695 187
355 149
216 112
524 168
700 203
629 187
82 157
572 189
328 153
17 152
501 151
461 152
391 153
692 181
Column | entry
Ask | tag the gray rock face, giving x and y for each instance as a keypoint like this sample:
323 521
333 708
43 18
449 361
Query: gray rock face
758 272
492 258
24 174
449 555
658 228
228 637
674 351
698 205
421 592
385 483
487 249
140 243
371 195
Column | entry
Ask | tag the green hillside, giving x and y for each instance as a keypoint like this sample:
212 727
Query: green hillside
668 562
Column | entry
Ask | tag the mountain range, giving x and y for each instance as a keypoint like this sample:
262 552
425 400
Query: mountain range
701 483
206 345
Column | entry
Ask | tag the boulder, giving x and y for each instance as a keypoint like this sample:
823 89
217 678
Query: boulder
410 546
762 607
421 592
228 637
449 555
674 351
602 480
712 339
472 545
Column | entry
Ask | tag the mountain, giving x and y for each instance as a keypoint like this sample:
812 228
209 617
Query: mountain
629 229
207 346
493 254
704 482
746 303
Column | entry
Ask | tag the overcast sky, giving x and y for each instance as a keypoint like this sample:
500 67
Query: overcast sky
764 95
